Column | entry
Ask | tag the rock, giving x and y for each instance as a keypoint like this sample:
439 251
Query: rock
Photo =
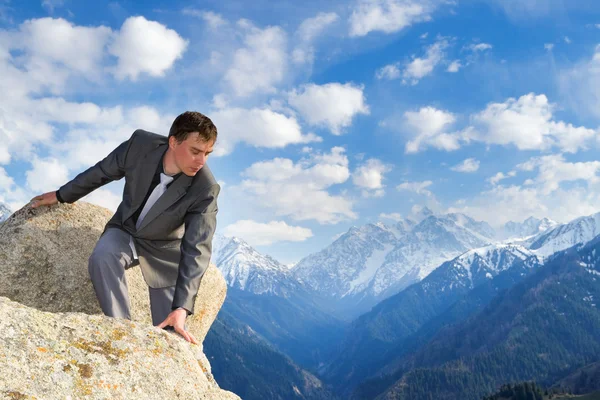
73 355
44 264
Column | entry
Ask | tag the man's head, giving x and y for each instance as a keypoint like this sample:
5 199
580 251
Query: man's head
191 140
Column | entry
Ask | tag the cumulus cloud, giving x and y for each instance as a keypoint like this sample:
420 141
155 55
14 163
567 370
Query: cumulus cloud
285 188
143 46
261 63
528 124
429 128
561 190
264 234
256 127
468 165
332 105
554 169
370 175
46 175
419 67
54 49
387 16
416 187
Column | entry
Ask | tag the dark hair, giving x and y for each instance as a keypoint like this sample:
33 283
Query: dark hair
193 121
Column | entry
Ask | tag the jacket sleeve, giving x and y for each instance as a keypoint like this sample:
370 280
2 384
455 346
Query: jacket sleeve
111 168
196 247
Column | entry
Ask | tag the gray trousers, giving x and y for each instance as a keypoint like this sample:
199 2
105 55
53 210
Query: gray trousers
107 264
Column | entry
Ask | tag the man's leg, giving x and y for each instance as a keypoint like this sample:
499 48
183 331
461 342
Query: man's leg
161 301
107 264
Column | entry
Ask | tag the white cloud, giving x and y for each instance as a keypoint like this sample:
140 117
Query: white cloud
416 187
256 127
454 66
429 126
308 31
143 46
369 176
390 72
311 28
561 190
468 165
392 216
548 46
494 180
567 40
261 63
553 170
212 19
299 190
332 105
54 49
264 234
528 124
387 16
480 47
419 67
46 175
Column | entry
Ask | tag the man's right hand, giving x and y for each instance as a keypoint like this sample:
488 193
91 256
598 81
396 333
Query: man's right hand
46 199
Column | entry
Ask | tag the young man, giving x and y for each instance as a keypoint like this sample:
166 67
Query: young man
165 221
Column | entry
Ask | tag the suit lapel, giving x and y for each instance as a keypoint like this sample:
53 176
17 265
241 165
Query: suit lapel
175 191
144 179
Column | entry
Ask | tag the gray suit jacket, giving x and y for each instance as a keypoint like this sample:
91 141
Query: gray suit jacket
174 241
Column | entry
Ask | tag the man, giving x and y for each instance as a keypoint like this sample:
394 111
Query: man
165 221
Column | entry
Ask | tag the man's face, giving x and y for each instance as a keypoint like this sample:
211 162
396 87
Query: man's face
191 154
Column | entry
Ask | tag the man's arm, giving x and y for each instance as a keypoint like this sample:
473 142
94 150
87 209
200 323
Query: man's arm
196 247
111 168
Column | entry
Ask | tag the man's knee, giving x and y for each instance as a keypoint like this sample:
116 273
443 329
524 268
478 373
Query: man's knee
100 259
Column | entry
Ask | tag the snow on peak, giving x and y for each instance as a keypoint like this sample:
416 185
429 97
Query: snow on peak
561 237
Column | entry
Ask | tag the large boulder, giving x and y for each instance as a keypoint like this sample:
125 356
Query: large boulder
74 356
44 264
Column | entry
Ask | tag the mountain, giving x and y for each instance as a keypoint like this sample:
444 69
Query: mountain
243 362
541 329
264 295
531 226
377 337
584 380
370 263
566 235
246 269
5 212
451 293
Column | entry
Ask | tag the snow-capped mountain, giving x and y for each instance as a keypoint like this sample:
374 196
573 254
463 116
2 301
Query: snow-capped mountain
561 237
370 263
5 212
246 269
351 261
531 226
478 265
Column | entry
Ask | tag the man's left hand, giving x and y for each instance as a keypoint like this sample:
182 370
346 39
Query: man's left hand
176 319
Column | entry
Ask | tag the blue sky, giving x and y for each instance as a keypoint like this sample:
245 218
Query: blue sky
330 114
